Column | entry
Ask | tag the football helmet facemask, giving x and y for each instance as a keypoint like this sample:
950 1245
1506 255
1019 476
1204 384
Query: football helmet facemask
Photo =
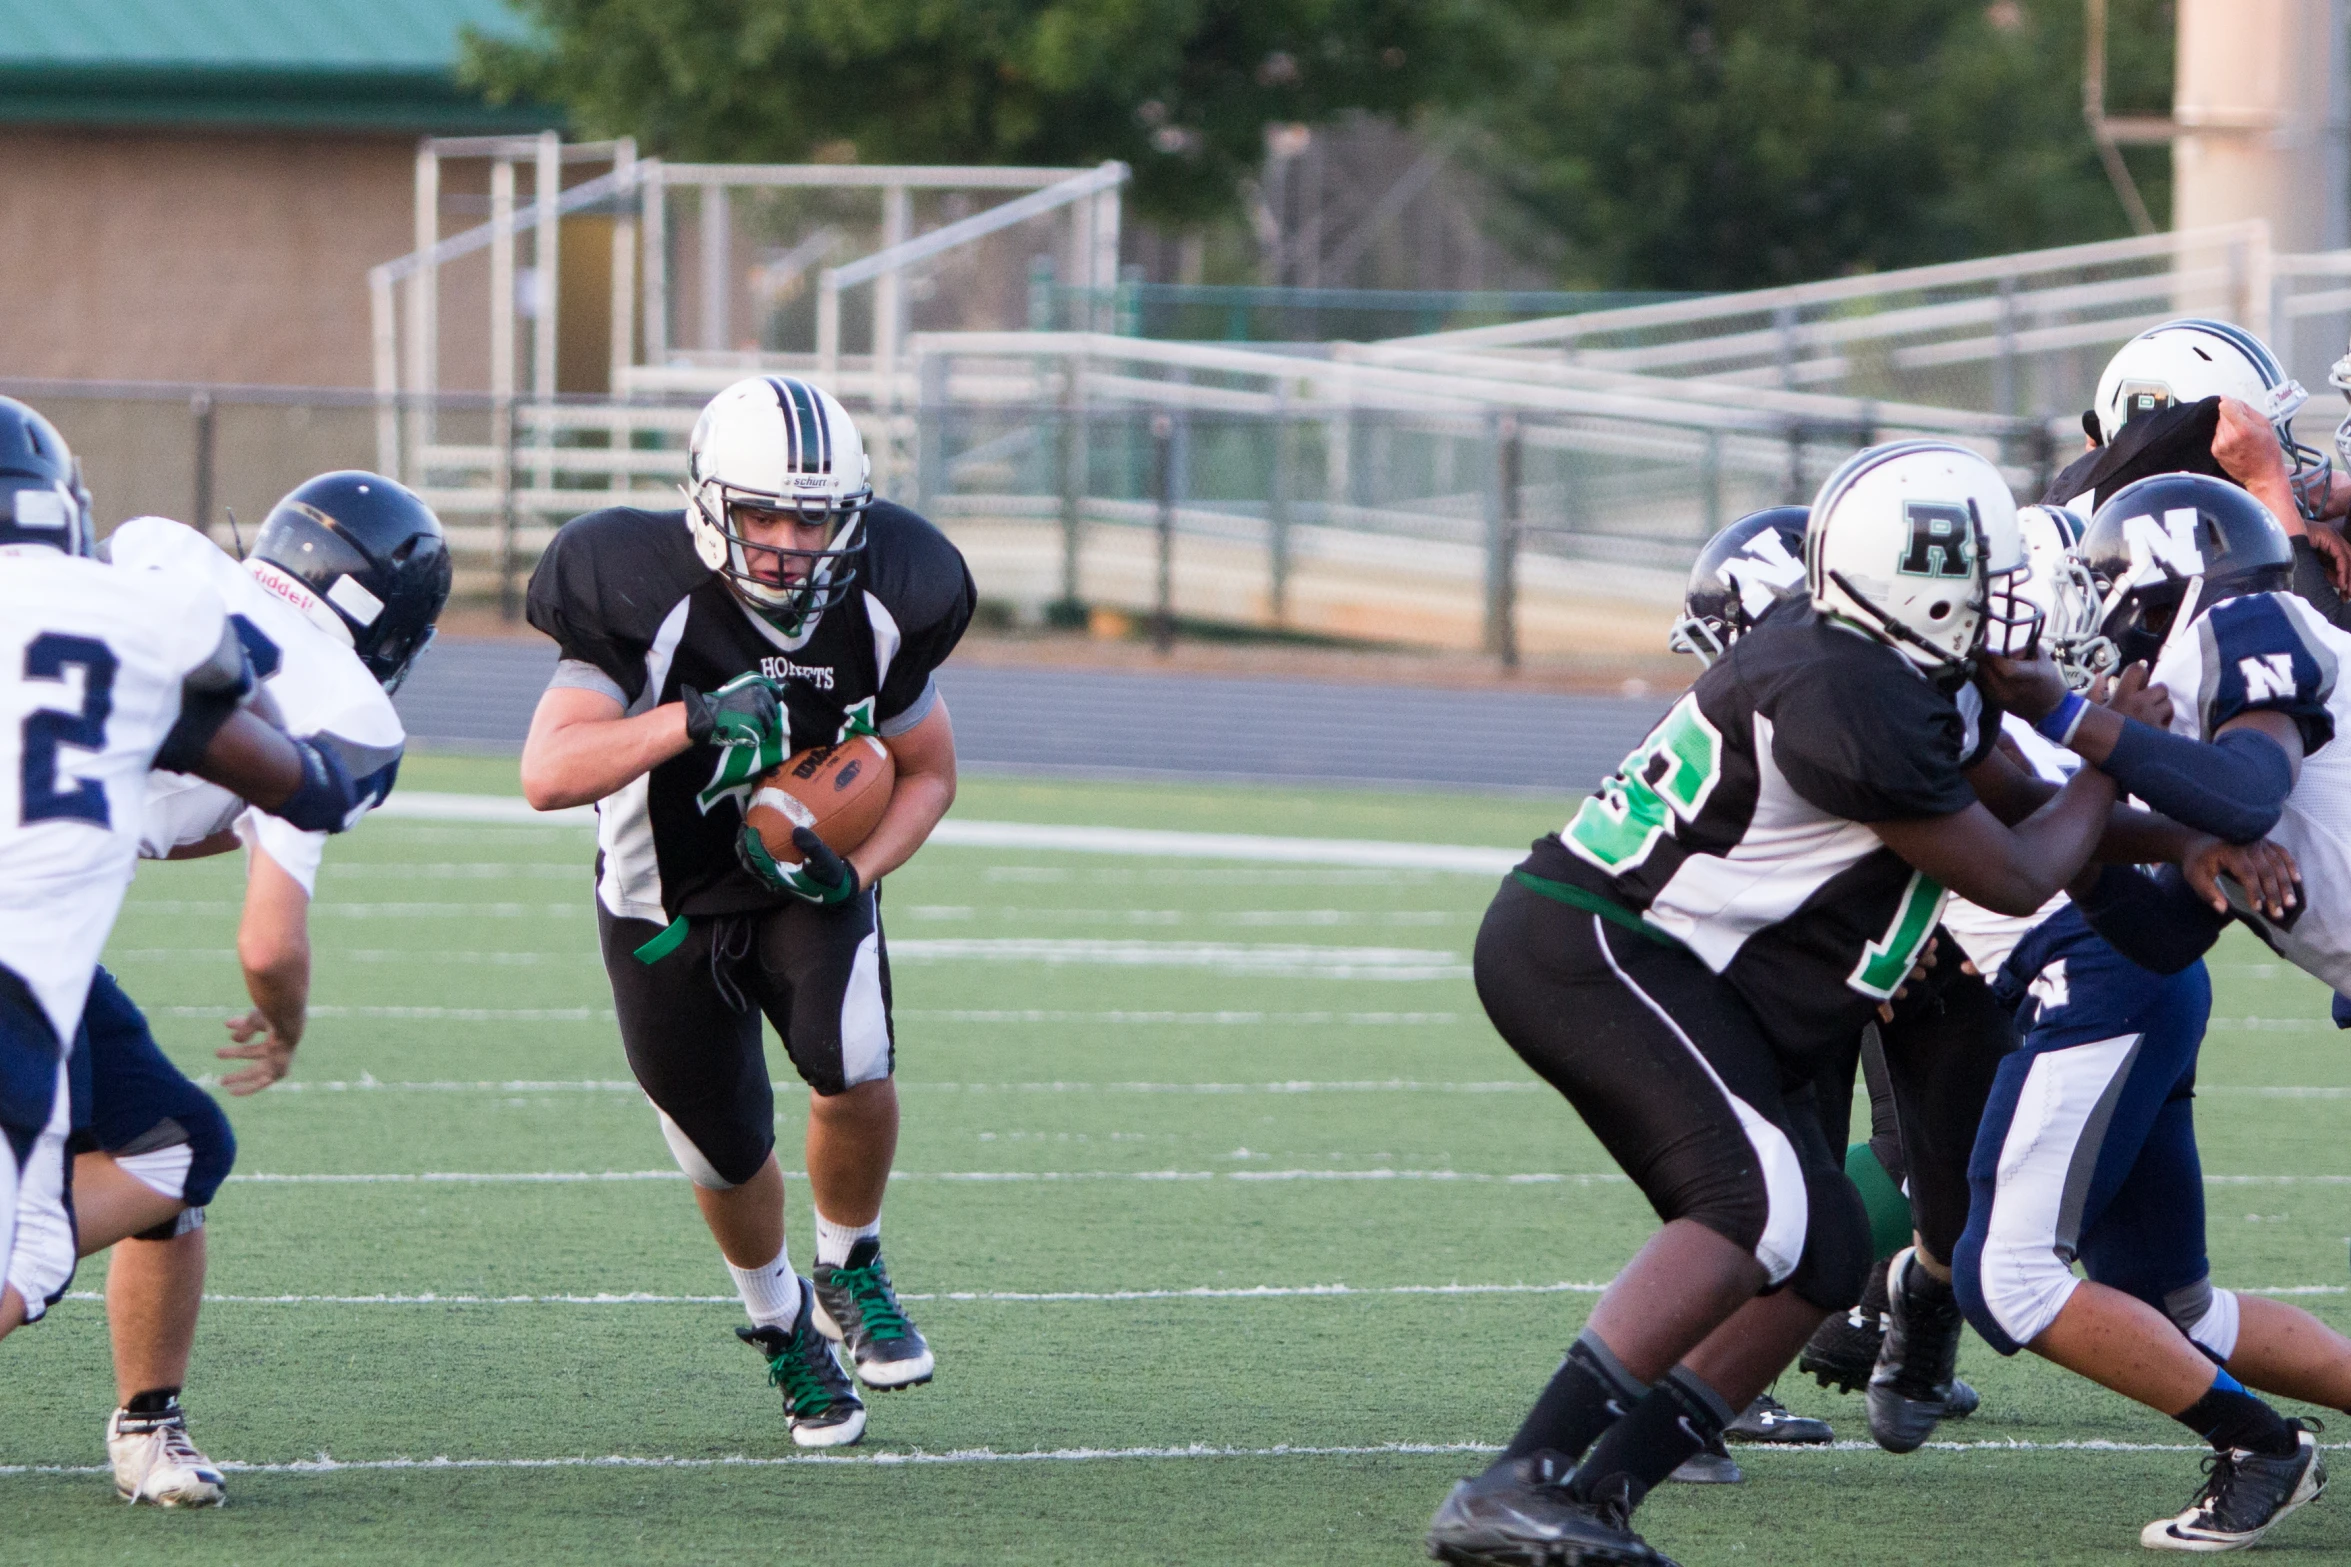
2188 360
2164 549
1915 545
780 445
2060 586
1743 570
42 498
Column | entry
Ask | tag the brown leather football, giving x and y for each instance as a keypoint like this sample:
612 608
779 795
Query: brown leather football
840 790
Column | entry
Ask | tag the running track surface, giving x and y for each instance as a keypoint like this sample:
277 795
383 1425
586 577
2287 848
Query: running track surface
477 695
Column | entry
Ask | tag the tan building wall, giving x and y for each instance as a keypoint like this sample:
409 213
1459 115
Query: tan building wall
172 255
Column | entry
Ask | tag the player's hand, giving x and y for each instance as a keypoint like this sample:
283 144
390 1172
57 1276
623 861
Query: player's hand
261 1042
2333 550
2132 697
2246 447
745 712
822 877
2267 879
1918 971
2031 686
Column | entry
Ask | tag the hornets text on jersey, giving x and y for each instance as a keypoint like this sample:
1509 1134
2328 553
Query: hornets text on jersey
301 653
635 613
1739 827
2273 652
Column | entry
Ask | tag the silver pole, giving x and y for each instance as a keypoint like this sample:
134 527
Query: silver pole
547 262
384 338
424 309
717 245
624 270
653 205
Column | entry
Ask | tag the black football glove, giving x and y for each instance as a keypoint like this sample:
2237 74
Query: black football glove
822 877
743 712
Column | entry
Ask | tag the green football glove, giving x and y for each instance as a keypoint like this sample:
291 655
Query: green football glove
822 877
745 723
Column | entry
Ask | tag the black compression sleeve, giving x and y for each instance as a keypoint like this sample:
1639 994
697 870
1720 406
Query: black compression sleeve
2233 788
2157 921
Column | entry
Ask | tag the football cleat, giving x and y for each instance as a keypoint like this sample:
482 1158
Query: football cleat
155 1462
1710 1465
1960 1400
2244 1494
1769 1420
820 1403
1844 1350
1908 1390
856 1306
1520 1515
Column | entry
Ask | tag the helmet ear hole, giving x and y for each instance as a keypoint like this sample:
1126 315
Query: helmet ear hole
1939 610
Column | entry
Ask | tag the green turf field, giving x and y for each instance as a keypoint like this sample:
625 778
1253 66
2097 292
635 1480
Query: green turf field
1188 1190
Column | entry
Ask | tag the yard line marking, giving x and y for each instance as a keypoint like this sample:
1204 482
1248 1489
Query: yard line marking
2270 1025
614 1085
1272 959
573 1177
979 1297
428 1014
1156 843
361 955
2205 1090
324 1464
370 911
1216 1019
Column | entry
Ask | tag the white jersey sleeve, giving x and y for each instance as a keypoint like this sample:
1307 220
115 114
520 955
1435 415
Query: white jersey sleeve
93 665
307 667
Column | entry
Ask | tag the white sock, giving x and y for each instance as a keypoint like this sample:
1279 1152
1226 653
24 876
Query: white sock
834 1240
771 1294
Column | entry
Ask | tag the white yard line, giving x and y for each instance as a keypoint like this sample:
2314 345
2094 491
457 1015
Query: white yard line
324 1464
1155 843
1377 1174
608 1085
982 1297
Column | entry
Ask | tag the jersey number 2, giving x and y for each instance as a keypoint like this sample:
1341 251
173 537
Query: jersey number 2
47 657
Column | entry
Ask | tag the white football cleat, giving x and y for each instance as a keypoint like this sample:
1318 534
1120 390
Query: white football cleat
155 1462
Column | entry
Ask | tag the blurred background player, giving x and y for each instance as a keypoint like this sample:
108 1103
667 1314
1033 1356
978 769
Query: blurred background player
333 607
785 607
105 674
1734 904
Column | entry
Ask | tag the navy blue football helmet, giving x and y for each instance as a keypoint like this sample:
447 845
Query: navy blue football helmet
42 497
2167 547
373 553
1742 571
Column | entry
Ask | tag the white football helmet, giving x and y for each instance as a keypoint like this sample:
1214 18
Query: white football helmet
778 444
2188 360
1915 544
2060 587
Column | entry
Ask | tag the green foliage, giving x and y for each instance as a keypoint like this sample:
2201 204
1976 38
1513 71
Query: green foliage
1721 144
1180 89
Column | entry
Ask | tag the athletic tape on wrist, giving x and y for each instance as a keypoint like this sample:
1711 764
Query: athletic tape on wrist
2060 724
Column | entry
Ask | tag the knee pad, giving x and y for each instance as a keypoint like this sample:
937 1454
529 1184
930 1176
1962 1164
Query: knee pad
186 1221
2208 1316
1835 1263
691 1159
186 1155
2009 1295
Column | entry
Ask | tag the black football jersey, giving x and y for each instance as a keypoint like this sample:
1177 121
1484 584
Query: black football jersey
1740 826
624 592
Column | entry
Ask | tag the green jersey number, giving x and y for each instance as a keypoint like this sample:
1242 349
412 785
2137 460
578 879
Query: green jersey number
1886 962
1671 775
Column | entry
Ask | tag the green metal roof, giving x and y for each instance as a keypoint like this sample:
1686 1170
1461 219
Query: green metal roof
330 64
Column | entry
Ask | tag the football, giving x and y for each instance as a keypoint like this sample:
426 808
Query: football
839 790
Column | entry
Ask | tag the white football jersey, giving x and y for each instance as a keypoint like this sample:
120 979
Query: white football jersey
1987 938
301 650
2272 651
93 661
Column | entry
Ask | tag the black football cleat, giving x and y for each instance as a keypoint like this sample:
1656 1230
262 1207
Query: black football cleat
856 1306
1769 1420
2244 1493
821 1405
1710 1465
1519 1514
1910 1388
1844 1349
1960 1400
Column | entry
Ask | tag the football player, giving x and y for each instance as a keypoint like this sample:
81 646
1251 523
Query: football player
2087 1151
105 674
337 600
1755 880
784 607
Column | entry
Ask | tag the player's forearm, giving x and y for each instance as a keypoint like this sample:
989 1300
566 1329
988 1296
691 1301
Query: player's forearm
917 804
581 762
278 980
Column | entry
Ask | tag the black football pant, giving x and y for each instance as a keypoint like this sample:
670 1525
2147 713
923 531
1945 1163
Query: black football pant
1673 1072
1941 1054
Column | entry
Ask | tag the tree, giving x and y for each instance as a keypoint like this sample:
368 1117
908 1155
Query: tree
1724 144
1180 89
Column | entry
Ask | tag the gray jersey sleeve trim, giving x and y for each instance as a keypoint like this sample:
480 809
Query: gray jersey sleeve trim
915 712
577 674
